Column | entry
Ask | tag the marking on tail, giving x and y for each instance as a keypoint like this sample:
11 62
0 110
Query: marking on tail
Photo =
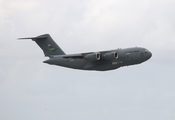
47 44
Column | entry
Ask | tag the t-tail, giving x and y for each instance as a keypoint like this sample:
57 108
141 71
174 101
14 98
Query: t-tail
47 44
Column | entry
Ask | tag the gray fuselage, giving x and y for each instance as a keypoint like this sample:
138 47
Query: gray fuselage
125 57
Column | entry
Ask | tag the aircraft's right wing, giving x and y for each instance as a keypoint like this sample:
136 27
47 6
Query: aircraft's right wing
94 56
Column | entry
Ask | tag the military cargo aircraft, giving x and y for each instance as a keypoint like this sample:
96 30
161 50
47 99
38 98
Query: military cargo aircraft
100 61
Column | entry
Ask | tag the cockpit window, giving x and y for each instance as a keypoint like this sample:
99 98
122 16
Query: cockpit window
144 51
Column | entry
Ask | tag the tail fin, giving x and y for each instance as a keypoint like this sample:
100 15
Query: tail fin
47 44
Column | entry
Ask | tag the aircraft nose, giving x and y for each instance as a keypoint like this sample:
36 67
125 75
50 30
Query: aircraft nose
150 55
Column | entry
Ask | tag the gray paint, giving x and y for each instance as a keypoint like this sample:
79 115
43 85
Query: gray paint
124 57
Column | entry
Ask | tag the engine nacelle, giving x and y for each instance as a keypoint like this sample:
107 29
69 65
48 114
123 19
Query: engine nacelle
92 57
110 56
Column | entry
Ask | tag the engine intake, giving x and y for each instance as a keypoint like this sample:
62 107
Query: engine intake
92 57
110 56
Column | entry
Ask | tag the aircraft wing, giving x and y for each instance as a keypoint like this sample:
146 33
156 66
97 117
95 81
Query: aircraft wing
77 56
74 56
91 56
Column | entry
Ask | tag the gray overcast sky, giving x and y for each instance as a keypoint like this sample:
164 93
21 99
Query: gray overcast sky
31 90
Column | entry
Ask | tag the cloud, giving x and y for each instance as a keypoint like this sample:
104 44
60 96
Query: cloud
30 89
21 5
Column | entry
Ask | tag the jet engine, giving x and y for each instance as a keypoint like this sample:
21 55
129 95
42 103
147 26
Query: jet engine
92 57
110 56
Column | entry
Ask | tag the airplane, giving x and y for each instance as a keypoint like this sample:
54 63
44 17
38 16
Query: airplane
99 61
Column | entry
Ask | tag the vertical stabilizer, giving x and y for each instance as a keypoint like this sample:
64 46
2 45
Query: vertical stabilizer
47 44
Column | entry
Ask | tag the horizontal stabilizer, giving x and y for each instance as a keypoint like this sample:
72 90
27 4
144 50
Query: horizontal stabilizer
34 38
